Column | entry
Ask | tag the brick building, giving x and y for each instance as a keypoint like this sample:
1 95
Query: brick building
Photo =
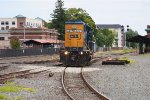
25 29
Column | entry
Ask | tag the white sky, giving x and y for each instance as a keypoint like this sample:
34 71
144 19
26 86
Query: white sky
134 13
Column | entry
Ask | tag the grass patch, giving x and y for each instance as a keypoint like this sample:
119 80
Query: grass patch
124 51
3 97
12 87
125 58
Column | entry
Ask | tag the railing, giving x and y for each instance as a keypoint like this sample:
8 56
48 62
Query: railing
27 52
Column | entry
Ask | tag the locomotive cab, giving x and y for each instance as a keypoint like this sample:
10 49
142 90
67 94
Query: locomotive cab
78 47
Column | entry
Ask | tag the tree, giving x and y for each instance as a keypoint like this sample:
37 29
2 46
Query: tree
59 18
15 43
105 37
129 34
49 25
80 14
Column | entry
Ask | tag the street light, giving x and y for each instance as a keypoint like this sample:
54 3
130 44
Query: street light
24 34
125 34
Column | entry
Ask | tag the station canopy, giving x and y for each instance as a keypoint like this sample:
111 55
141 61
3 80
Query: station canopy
139 39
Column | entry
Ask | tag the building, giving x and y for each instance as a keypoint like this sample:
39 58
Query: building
36 34
118 30
148 36
25 29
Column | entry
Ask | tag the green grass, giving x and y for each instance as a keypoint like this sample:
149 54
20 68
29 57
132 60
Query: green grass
125 58
124 51
12 87
3 97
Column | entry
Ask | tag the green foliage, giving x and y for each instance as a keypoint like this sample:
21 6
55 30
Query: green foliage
80 14
130 34
105 37
59 18
49 25
15 43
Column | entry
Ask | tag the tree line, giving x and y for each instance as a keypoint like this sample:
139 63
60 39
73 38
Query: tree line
102 37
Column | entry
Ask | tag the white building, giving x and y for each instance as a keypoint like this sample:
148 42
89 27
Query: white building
18 21
118 30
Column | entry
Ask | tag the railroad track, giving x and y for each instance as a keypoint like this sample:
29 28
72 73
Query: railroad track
20 74
79 88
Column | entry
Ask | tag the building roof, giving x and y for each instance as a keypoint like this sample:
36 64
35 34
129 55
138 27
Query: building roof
38 18
148 29
105 26
20 16
34 30
139 39
41 41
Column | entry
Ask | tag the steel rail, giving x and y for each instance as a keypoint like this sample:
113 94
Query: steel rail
100 95
63 85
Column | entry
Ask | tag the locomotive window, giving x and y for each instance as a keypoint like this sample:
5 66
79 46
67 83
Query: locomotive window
74 36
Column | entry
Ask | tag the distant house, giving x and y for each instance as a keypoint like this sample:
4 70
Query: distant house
25 29
118 29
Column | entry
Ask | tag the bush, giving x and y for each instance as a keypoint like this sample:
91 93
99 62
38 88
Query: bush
15 43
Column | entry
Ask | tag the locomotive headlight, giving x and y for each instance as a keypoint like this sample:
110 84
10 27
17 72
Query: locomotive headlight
81 53
66 52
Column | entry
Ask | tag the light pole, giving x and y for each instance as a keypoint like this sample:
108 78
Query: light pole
24 35
125 35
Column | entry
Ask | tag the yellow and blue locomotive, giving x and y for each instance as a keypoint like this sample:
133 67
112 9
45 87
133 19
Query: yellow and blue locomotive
79 45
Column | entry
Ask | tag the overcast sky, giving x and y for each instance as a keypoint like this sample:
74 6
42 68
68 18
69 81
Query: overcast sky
135 13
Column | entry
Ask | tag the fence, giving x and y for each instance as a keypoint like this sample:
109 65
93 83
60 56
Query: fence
27 52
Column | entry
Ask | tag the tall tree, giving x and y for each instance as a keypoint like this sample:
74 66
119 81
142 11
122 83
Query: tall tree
80 14
59 18
129 34
105 37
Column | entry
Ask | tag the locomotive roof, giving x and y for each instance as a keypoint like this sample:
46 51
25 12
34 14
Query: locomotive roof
75 22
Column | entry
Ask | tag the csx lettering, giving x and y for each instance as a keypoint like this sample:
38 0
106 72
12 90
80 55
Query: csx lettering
70 31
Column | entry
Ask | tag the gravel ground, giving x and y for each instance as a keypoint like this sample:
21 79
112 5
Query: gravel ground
118 82
122 82
46 88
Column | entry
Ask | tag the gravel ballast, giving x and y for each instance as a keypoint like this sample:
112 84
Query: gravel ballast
122 82
118 82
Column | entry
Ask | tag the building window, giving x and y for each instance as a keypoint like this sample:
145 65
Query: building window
13 23
2 28
2 38
7 23
7 27
21 24
2 23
